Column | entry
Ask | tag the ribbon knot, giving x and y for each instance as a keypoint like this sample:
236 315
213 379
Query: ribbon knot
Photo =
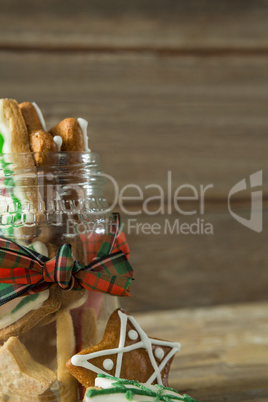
24 271
60 269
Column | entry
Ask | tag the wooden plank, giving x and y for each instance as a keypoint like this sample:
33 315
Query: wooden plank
163 25
224 350
187 267
203 119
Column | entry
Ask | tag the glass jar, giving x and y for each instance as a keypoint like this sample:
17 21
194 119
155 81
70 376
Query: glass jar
42 208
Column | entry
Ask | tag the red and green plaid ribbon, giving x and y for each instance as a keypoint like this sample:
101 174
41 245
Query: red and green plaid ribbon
24 271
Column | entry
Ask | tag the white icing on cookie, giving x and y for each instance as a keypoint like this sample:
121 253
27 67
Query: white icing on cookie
40 115
39 247
110 384
83 360
5 130
159 353
58 141
108 364
7 317
133 335
83 124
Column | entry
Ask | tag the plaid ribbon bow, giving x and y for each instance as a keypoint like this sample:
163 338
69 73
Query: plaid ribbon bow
24 271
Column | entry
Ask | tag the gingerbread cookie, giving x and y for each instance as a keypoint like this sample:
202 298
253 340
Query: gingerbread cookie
21 198
71 133
27 312
73 139
13 129
125 351
109 389
41 142
88 328
68 386
31 117
79 335
19 373
47 396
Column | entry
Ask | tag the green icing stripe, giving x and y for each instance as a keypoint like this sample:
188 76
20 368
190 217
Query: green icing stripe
9 183
1 143
24 301
119 387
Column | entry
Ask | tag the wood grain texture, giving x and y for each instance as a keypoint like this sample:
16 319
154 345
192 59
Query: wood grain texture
204 119
164 25
224 350
179 86
166 86
175 270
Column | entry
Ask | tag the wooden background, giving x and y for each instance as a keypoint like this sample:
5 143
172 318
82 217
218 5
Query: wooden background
179 86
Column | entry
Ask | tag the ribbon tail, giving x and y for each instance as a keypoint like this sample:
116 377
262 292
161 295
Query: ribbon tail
115 240
112 274
9 292
9 248
105 283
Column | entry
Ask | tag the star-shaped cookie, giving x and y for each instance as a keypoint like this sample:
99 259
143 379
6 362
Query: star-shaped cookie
126 352
19 373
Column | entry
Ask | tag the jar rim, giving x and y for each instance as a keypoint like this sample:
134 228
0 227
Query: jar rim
53 152
53 159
